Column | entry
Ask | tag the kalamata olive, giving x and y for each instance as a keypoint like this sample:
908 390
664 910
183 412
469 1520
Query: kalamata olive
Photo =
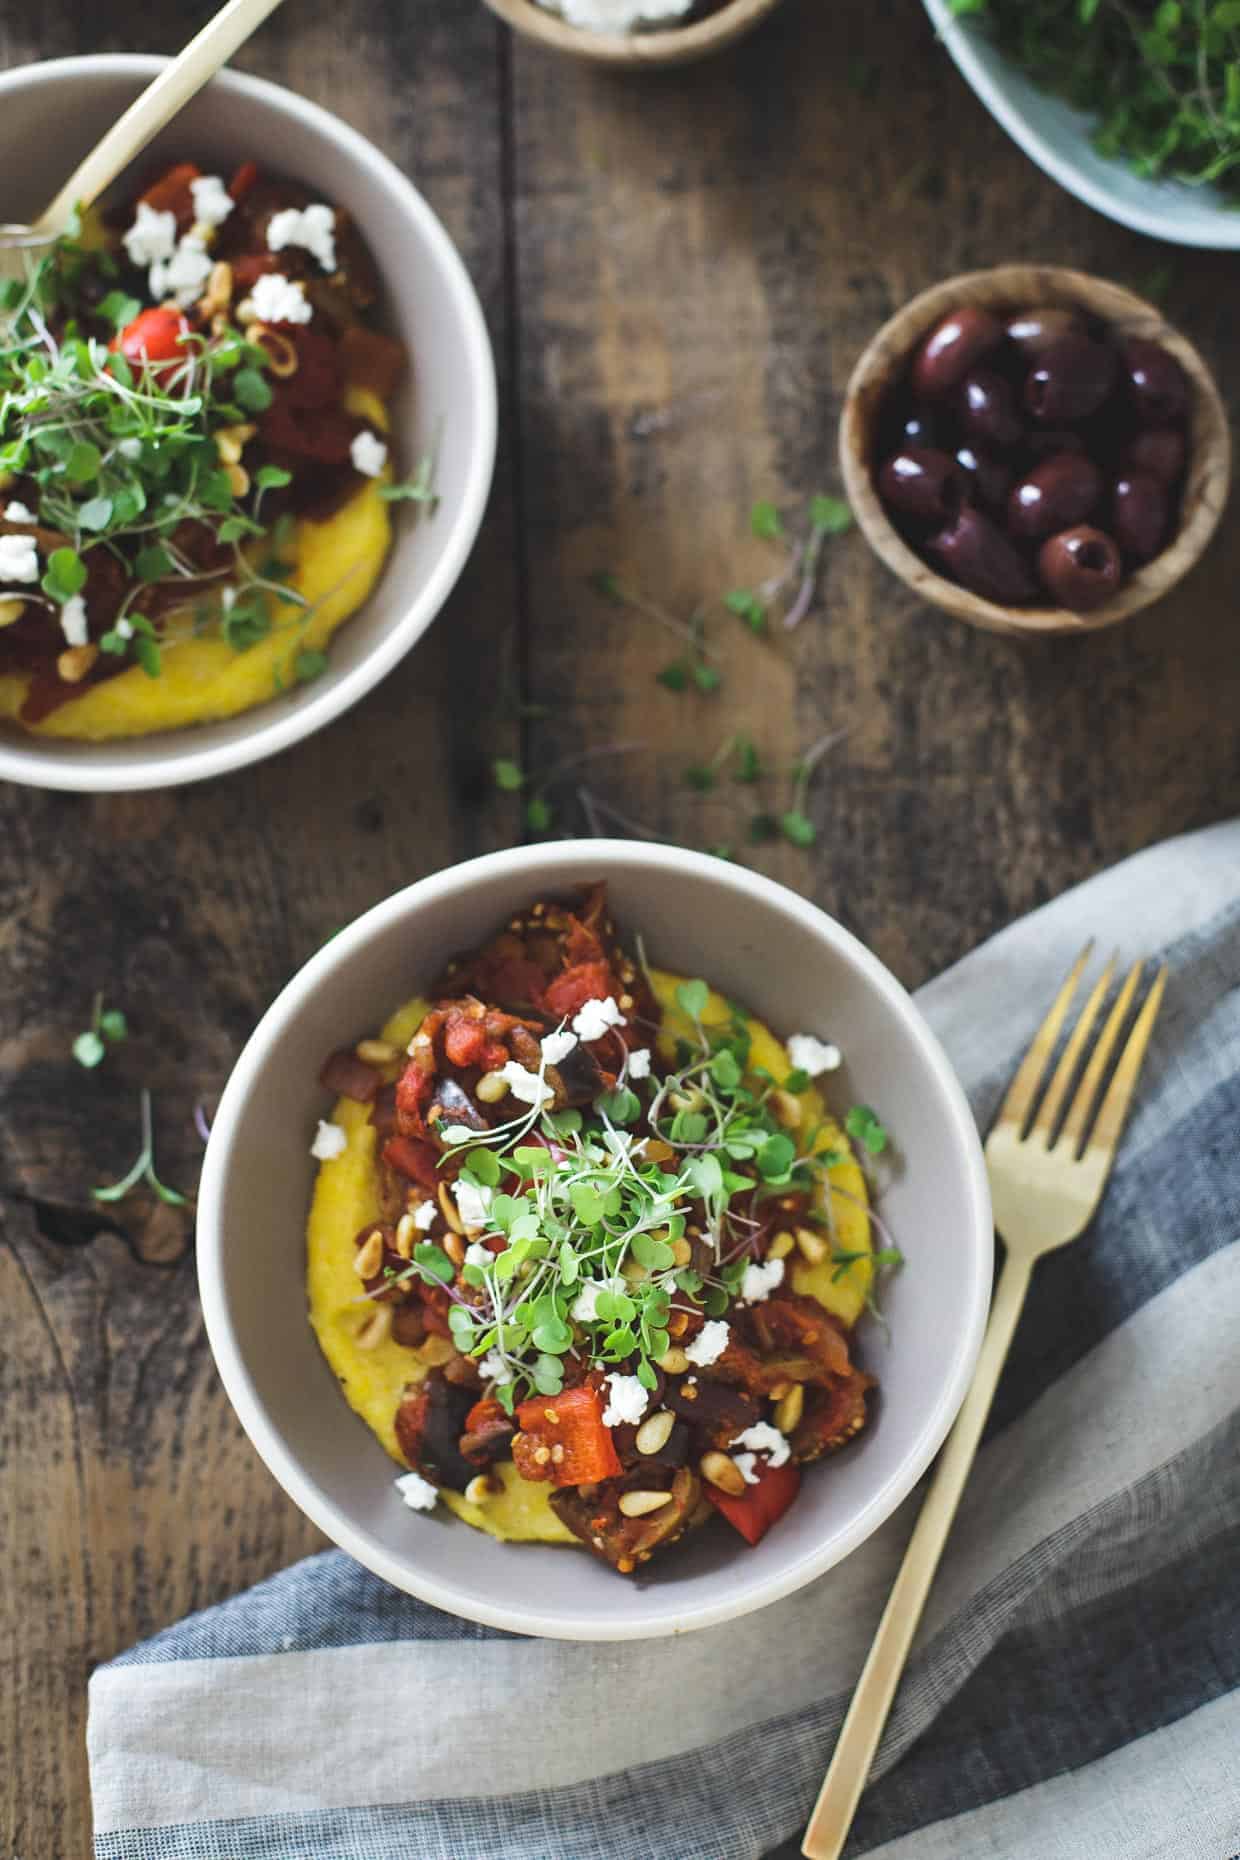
1157 385
922 483
1057 493
918 427
975 552
1035 331
953 347
990 478
1080 567
988 409
1042 442
1159 450
1139 514
1070 381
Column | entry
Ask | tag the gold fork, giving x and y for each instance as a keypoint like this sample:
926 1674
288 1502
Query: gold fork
1046 1180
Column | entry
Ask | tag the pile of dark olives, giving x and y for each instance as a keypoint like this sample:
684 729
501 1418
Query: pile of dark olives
1035 454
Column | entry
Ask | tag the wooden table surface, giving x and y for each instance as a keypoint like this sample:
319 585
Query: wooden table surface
679 273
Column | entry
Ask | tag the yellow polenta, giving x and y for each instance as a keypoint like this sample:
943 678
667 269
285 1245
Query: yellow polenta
373 1380
337 564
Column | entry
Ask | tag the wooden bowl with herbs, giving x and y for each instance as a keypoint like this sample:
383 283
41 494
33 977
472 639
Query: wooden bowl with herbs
1035 450
634 34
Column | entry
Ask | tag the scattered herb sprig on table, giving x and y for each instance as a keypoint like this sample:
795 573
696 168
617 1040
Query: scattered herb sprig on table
143 1169
108 1027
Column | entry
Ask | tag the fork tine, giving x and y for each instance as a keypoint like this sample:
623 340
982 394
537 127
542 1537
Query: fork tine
1024 1087
1109 1124
1065 1071
1081 1110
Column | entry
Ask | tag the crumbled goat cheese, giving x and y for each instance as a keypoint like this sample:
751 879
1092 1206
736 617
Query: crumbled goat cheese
130 448
639 1063
329 1140
617 15
760 1281
314 228
809 1054
584 1310
19 558
628 1400
493 1368
152 237
212 201
182 276
472 1204
558 1045
593 1018
18 513
424 1216
418 1493
369 454
526 1086
746 1465
709 1344
73 621
277 299
763 1438
475 1253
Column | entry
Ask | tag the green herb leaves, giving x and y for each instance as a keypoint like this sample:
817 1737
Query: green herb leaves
143 1169
108 1027
864 1127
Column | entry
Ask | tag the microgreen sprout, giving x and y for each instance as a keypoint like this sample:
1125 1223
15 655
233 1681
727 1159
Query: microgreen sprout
695 668
865 1128
108 1027
143 1169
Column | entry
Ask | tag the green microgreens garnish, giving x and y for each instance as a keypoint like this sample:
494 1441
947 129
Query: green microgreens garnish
864 1127
693 668
420 489
144 1168
108 1027
828 516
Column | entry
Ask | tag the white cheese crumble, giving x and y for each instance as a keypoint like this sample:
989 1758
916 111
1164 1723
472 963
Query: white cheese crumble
124 628
152 238
329 1140
130 448
19 558
313 228
424 1216
478 1255
277 299
746 1465
18 513
416 1492
639 1063
812 1055
73 621
558 1045
709 1344
182 276
593 1018
493 1368
763 1438
472 1204
628 1400
584 1309
760 1281
617 15
212 201
369 454
526 1086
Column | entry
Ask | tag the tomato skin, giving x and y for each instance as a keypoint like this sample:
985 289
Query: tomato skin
414 1159
153 336
759 1506
574 1421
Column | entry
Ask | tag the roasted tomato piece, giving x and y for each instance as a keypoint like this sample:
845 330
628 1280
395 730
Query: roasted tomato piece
408 1156
171 193
243 180
317 380
154 336
760 1505
429 1424
562 1438
322 433
585 981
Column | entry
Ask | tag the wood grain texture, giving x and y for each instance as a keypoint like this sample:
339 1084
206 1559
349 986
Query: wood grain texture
680 271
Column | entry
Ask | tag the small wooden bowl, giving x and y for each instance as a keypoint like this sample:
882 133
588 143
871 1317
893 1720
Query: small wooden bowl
1012 287
634 51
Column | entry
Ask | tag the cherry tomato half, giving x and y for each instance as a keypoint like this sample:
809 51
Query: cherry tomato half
154 336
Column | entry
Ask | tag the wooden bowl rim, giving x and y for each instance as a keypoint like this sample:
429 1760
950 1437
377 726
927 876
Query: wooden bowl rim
1209 467
661 47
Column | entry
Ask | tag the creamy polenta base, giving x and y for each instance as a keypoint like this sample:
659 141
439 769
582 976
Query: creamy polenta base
373 1380
201 679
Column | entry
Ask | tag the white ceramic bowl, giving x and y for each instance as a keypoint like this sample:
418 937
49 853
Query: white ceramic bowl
447 398
1057 137
762 945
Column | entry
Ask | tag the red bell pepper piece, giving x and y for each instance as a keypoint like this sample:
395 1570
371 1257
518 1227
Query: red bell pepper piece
585 981
243 180
758 1506
573 1421
416 1160
171 193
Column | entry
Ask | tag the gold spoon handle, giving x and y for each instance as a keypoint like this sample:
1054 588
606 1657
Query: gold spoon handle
157 105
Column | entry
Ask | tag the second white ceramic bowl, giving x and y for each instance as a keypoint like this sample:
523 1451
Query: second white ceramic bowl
796 968
445 404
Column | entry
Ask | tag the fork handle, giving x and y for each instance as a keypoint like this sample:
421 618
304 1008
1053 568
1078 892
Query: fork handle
863 1727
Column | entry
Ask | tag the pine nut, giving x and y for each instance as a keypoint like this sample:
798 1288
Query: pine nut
369 1256
717 1469
789 1410
406 1236
637 1504
632 1273
625 1004
480 1489
218 294
11 611
449 1209
74 664
454 1247
658 1151
686 1100
787 1108
812 1245
376 1329
682 1252
655 1431
491 1087
230 440
781 1245
238 479
435 1351
542 1456
778 1390
625 1565
678 1324
377 1052
673 1362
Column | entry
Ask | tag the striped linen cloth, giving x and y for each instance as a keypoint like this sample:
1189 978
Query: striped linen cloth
1075 1692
